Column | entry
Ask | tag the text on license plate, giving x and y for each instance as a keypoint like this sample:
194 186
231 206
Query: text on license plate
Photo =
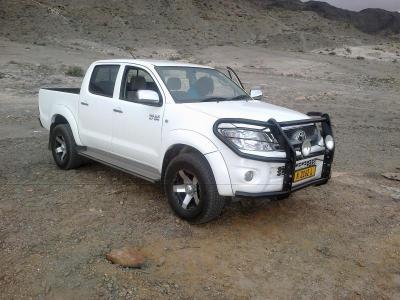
304 173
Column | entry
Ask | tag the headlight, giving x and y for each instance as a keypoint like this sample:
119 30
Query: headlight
250 140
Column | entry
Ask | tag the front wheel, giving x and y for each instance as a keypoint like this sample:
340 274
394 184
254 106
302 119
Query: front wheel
191 189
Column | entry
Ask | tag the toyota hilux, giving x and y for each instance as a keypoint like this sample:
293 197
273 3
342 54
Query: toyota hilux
192 128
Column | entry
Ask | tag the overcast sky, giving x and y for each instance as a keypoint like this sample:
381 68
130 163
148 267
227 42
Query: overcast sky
393 5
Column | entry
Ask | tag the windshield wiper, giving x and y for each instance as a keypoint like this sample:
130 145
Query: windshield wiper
241 97
212 99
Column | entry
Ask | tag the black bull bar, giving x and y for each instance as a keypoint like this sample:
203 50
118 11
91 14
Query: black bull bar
284 143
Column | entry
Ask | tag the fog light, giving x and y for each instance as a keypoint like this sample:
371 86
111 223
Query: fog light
329 142
248 176
306 148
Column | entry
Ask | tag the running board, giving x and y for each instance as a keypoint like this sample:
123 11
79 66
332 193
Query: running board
123 164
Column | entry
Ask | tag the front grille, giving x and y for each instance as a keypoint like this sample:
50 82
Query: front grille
298 135
309 130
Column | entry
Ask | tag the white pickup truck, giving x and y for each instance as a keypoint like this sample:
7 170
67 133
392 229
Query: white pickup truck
191 128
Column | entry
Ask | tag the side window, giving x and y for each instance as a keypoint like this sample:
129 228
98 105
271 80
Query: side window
102 81
136 79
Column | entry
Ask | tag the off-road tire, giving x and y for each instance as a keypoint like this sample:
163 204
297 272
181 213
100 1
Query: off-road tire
210 204
71 159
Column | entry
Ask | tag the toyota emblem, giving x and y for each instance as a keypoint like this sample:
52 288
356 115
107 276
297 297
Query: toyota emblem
299 135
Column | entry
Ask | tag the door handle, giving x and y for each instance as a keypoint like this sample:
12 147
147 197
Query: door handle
84 103
118 110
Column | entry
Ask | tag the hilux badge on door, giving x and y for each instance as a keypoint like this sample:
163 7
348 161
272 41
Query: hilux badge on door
154 117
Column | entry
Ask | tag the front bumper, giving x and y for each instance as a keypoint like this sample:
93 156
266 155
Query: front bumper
319 181
269 185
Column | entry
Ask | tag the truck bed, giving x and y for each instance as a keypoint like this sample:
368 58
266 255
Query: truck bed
65 90
57 99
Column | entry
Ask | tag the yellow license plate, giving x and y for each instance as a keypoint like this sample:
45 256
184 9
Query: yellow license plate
304 173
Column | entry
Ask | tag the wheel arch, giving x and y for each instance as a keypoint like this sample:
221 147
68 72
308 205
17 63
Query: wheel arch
62 115
178 140
214 161
172 152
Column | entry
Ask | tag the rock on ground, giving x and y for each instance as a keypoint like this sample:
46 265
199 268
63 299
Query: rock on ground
126 257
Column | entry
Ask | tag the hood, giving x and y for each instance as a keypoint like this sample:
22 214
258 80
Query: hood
254 110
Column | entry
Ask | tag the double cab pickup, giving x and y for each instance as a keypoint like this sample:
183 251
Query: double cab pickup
192 128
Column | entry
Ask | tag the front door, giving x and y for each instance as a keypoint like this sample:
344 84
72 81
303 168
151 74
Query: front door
96 108
137 126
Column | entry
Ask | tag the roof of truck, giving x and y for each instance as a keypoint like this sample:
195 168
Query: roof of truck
152 62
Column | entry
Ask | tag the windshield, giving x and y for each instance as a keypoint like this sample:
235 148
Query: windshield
189 84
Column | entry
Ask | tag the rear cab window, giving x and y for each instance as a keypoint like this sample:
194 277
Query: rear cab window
102 81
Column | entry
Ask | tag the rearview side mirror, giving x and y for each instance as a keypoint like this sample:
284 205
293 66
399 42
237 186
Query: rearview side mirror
148 96
256 93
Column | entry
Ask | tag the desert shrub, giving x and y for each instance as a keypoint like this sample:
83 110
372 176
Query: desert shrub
75 71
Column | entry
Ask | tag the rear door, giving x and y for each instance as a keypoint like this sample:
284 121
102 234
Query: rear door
137 126
96 107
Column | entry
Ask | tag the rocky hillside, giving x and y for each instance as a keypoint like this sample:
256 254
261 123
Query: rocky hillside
183 24
371 21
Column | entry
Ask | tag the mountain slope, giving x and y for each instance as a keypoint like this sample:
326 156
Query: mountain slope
180 24
372 20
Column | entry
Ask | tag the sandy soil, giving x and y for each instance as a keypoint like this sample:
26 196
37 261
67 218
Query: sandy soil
340 240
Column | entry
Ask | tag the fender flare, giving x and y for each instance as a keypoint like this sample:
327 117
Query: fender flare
65 112
190 138
210 151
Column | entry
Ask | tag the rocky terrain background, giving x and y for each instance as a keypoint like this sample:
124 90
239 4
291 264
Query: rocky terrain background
190 24
338 241
371 20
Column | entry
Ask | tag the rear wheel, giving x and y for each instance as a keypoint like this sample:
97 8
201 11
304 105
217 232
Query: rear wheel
191 189
63 147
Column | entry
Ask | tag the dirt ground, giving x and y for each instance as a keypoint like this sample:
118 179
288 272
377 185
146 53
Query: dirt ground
338 241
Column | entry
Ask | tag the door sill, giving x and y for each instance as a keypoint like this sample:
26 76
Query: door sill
123 164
